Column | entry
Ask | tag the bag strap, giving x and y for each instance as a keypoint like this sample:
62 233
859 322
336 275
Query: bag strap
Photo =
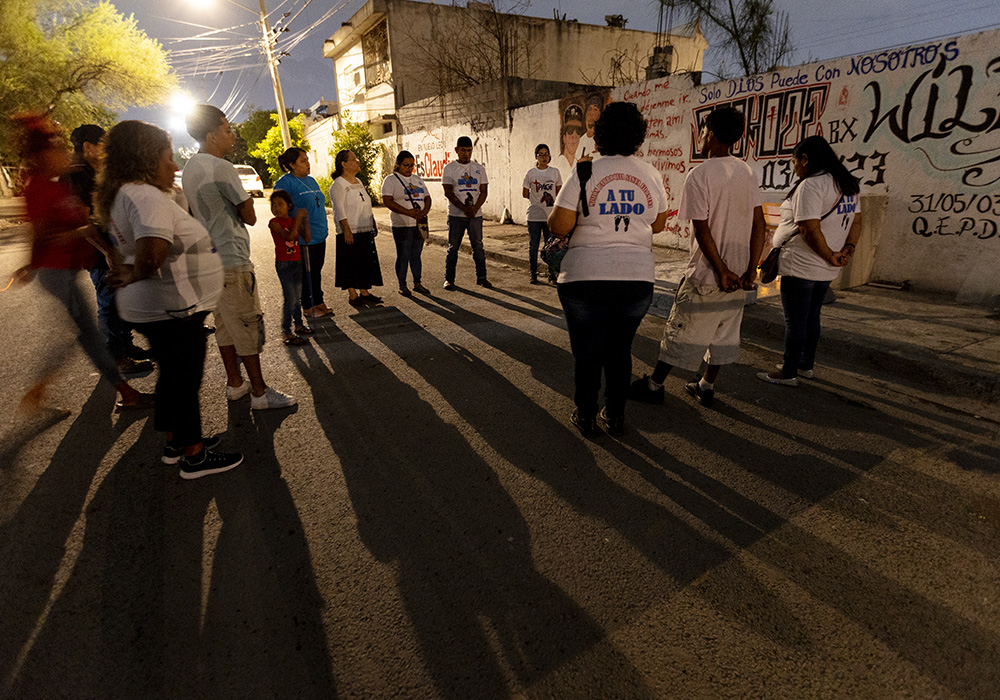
584 169
832 209
408 195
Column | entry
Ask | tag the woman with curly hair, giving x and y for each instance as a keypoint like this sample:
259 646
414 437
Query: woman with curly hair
170 279
605 281
64 246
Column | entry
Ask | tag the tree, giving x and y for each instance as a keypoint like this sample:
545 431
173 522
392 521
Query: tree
751 31
251 132
491 48
272 146
76 60
356 137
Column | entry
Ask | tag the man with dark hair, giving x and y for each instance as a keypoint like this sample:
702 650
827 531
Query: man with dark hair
465 186
88 153
220 203
722 199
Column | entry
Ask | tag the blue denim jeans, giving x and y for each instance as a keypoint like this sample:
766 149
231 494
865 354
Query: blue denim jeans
536 230
409 246
457 226
70 290
802 301
117 333
602 318
290 276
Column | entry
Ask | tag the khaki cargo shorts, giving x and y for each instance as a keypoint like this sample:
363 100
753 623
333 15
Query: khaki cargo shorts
704 324
239 320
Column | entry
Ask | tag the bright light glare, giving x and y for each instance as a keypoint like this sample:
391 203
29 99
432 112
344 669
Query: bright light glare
177 125
182 103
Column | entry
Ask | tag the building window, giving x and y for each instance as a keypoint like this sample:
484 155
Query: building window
375 48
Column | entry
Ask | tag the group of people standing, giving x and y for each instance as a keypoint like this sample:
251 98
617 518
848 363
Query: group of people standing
177 254
606 279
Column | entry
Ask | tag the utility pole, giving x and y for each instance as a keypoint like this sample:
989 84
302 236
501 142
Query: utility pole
272 65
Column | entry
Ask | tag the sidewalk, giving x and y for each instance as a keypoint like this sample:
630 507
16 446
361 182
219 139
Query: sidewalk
920 338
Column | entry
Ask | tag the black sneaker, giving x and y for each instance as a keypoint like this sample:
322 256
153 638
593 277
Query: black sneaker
705 396
449 285
586 426
172 454
640 391
205 463
613 426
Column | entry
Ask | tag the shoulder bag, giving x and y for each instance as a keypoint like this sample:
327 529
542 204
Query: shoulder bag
769 267
555 248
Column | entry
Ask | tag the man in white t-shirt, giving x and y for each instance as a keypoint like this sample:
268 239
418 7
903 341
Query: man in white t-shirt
465 187
218 200
722 199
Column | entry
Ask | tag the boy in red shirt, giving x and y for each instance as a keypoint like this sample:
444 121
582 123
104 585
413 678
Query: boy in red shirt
287 262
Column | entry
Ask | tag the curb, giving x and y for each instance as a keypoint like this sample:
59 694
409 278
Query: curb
764 322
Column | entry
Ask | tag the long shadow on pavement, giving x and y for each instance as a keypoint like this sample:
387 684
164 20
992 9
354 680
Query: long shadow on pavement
488 623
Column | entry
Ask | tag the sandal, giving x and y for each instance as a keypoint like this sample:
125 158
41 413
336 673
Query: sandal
142 402
292 339
304 330
357 302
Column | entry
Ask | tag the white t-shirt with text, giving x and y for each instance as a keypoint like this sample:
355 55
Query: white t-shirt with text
189 281
615 241
466 181
406 192
724 192
541 185
813 199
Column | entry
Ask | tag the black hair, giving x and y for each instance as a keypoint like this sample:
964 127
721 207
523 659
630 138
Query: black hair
203 120
338 163
620 130
403 155
541 146
86 133
464 142
727 123
821 158
288 158
284 196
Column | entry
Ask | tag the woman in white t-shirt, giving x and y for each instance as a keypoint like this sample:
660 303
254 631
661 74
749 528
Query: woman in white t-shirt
540 187
406 196
171 277
606 278
357 267
820 225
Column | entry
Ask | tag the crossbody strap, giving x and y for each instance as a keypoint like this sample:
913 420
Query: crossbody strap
408 195
832 209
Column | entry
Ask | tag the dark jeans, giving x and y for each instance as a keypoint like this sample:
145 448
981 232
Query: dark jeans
312 283
409 246
536 230
802 301
602 318
290 276
117 333
178 346
457 226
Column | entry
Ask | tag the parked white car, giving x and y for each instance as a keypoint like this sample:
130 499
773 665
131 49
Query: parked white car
251 180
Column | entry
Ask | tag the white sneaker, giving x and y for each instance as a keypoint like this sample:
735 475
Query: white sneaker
271 398
803 373
235 393
765 377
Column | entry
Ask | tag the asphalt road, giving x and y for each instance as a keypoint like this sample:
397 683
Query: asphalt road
427 523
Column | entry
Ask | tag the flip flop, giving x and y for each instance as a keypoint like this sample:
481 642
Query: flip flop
144 402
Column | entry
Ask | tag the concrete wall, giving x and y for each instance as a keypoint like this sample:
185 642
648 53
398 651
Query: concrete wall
320 137
918 125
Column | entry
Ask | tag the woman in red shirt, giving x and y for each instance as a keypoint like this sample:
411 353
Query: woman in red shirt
64 246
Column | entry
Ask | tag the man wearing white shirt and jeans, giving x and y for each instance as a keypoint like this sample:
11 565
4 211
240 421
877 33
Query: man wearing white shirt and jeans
465 186
220 203
722 199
